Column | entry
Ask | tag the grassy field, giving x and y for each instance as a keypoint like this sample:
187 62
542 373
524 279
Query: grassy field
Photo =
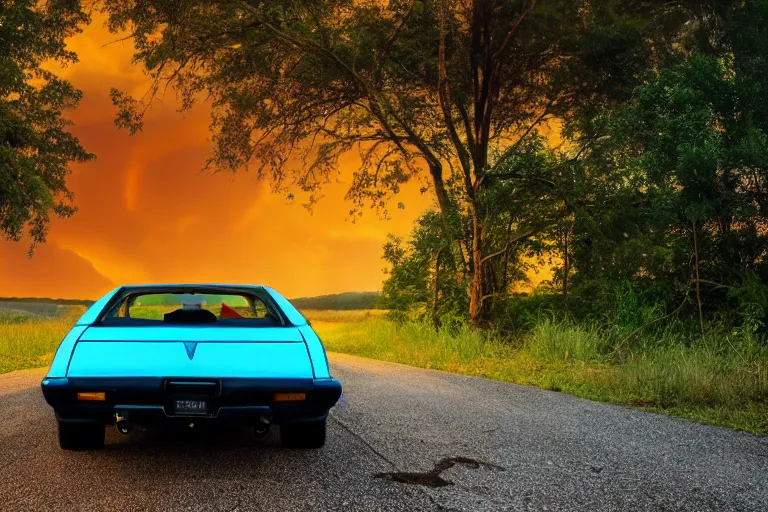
28 339
721 380
341 316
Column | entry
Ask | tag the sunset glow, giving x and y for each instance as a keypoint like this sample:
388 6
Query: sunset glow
148 213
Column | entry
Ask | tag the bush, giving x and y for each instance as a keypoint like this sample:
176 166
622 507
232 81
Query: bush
518 314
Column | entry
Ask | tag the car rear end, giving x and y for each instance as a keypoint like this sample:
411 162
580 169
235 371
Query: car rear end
236 373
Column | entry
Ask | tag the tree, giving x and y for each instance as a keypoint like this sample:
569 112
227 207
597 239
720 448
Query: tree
425 275
445 88
35 147
427 271
682 174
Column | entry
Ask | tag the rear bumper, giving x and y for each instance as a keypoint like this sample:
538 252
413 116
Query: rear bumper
148 401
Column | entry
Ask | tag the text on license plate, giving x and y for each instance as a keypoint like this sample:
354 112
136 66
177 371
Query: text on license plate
190 406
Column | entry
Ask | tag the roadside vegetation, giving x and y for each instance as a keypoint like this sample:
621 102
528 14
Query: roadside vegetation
720 380
29 340
345 315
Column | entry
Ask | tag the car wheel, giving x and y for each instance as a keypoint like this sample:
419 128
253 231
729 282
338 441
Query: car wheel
306 434
81 436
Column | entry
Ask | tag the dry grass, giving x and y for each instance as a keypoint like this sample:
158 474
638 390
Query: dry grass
29 341
341 316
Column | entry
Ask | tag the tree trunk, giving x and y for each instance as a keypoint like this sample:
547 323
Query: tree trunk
443 202
436 291
566 264
476 286
698 283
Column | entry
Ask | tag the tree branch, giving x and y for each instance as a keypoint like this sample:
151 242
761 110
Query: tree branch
513 29
444 98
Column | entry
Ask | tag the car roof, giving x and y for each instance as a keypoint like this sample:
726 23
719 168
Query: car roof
189 287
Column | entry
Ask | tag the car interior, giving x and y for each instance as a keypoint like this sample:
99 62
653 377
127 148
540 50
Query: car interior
191 309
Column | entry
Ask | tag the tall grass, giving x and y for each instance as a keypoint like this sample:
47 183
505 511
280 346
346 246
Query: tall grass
721 379
417 343
29 341
723 371
559 341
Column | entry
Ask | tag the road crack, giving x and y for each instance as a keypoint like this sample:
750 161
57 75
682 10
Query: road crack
362 440
432 478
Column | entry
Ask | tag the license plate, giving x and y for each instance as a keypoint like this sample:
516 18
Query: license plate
190 407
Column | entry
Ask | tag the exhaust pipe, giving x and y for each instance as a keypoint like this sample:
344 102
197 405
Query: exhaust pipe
262 427
122 423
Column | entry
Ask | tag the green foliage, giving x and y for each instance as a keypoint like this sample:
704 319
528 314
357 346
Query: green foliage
35 146
751 298
42 307
451 92
176 299
722 379
425 272
676 183
46 300
632 310
517 314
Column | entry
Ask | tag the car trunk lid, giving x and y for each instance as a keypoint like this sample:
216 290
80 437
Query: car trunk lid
191 351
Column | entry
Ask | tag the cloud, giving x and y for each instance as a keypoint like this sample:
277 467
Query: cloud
55 272
148 214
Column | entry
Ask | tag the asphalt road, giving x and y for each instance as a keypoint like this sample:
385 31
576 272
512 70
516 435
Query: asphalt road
485 445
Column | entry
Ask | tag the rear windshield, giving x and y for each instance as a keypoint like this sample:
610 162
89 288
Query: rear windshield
191 308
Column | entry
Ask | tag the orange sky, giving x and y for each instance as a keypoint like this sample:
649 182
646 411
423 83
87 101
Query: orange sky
148 214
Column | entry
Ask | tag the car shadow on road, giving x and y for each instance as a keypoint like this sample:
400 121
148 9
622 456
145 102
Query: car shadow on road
185 438
218 453
143 442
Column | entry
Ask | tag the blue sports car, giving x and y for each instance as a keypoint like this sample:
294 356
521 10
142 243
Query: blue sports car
190 355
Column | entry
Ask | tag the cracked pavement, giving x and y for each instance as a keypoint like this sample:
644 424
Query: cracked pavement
486 445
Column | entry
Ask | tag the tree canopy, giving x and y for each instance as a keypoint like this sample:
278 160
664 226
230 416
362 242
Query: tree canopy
446 90
667 197
35 147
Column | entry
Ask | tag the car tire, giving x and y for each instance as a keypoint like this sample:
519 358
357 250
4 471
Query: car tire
305 435
81 436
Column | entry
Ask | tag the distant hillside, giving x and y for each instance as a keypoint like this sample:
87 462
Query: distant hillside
39 307
340 301
45 300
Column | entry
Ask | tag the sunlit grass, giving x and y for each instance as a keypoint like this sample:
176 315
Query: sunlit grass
719 381
353 315
29 341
